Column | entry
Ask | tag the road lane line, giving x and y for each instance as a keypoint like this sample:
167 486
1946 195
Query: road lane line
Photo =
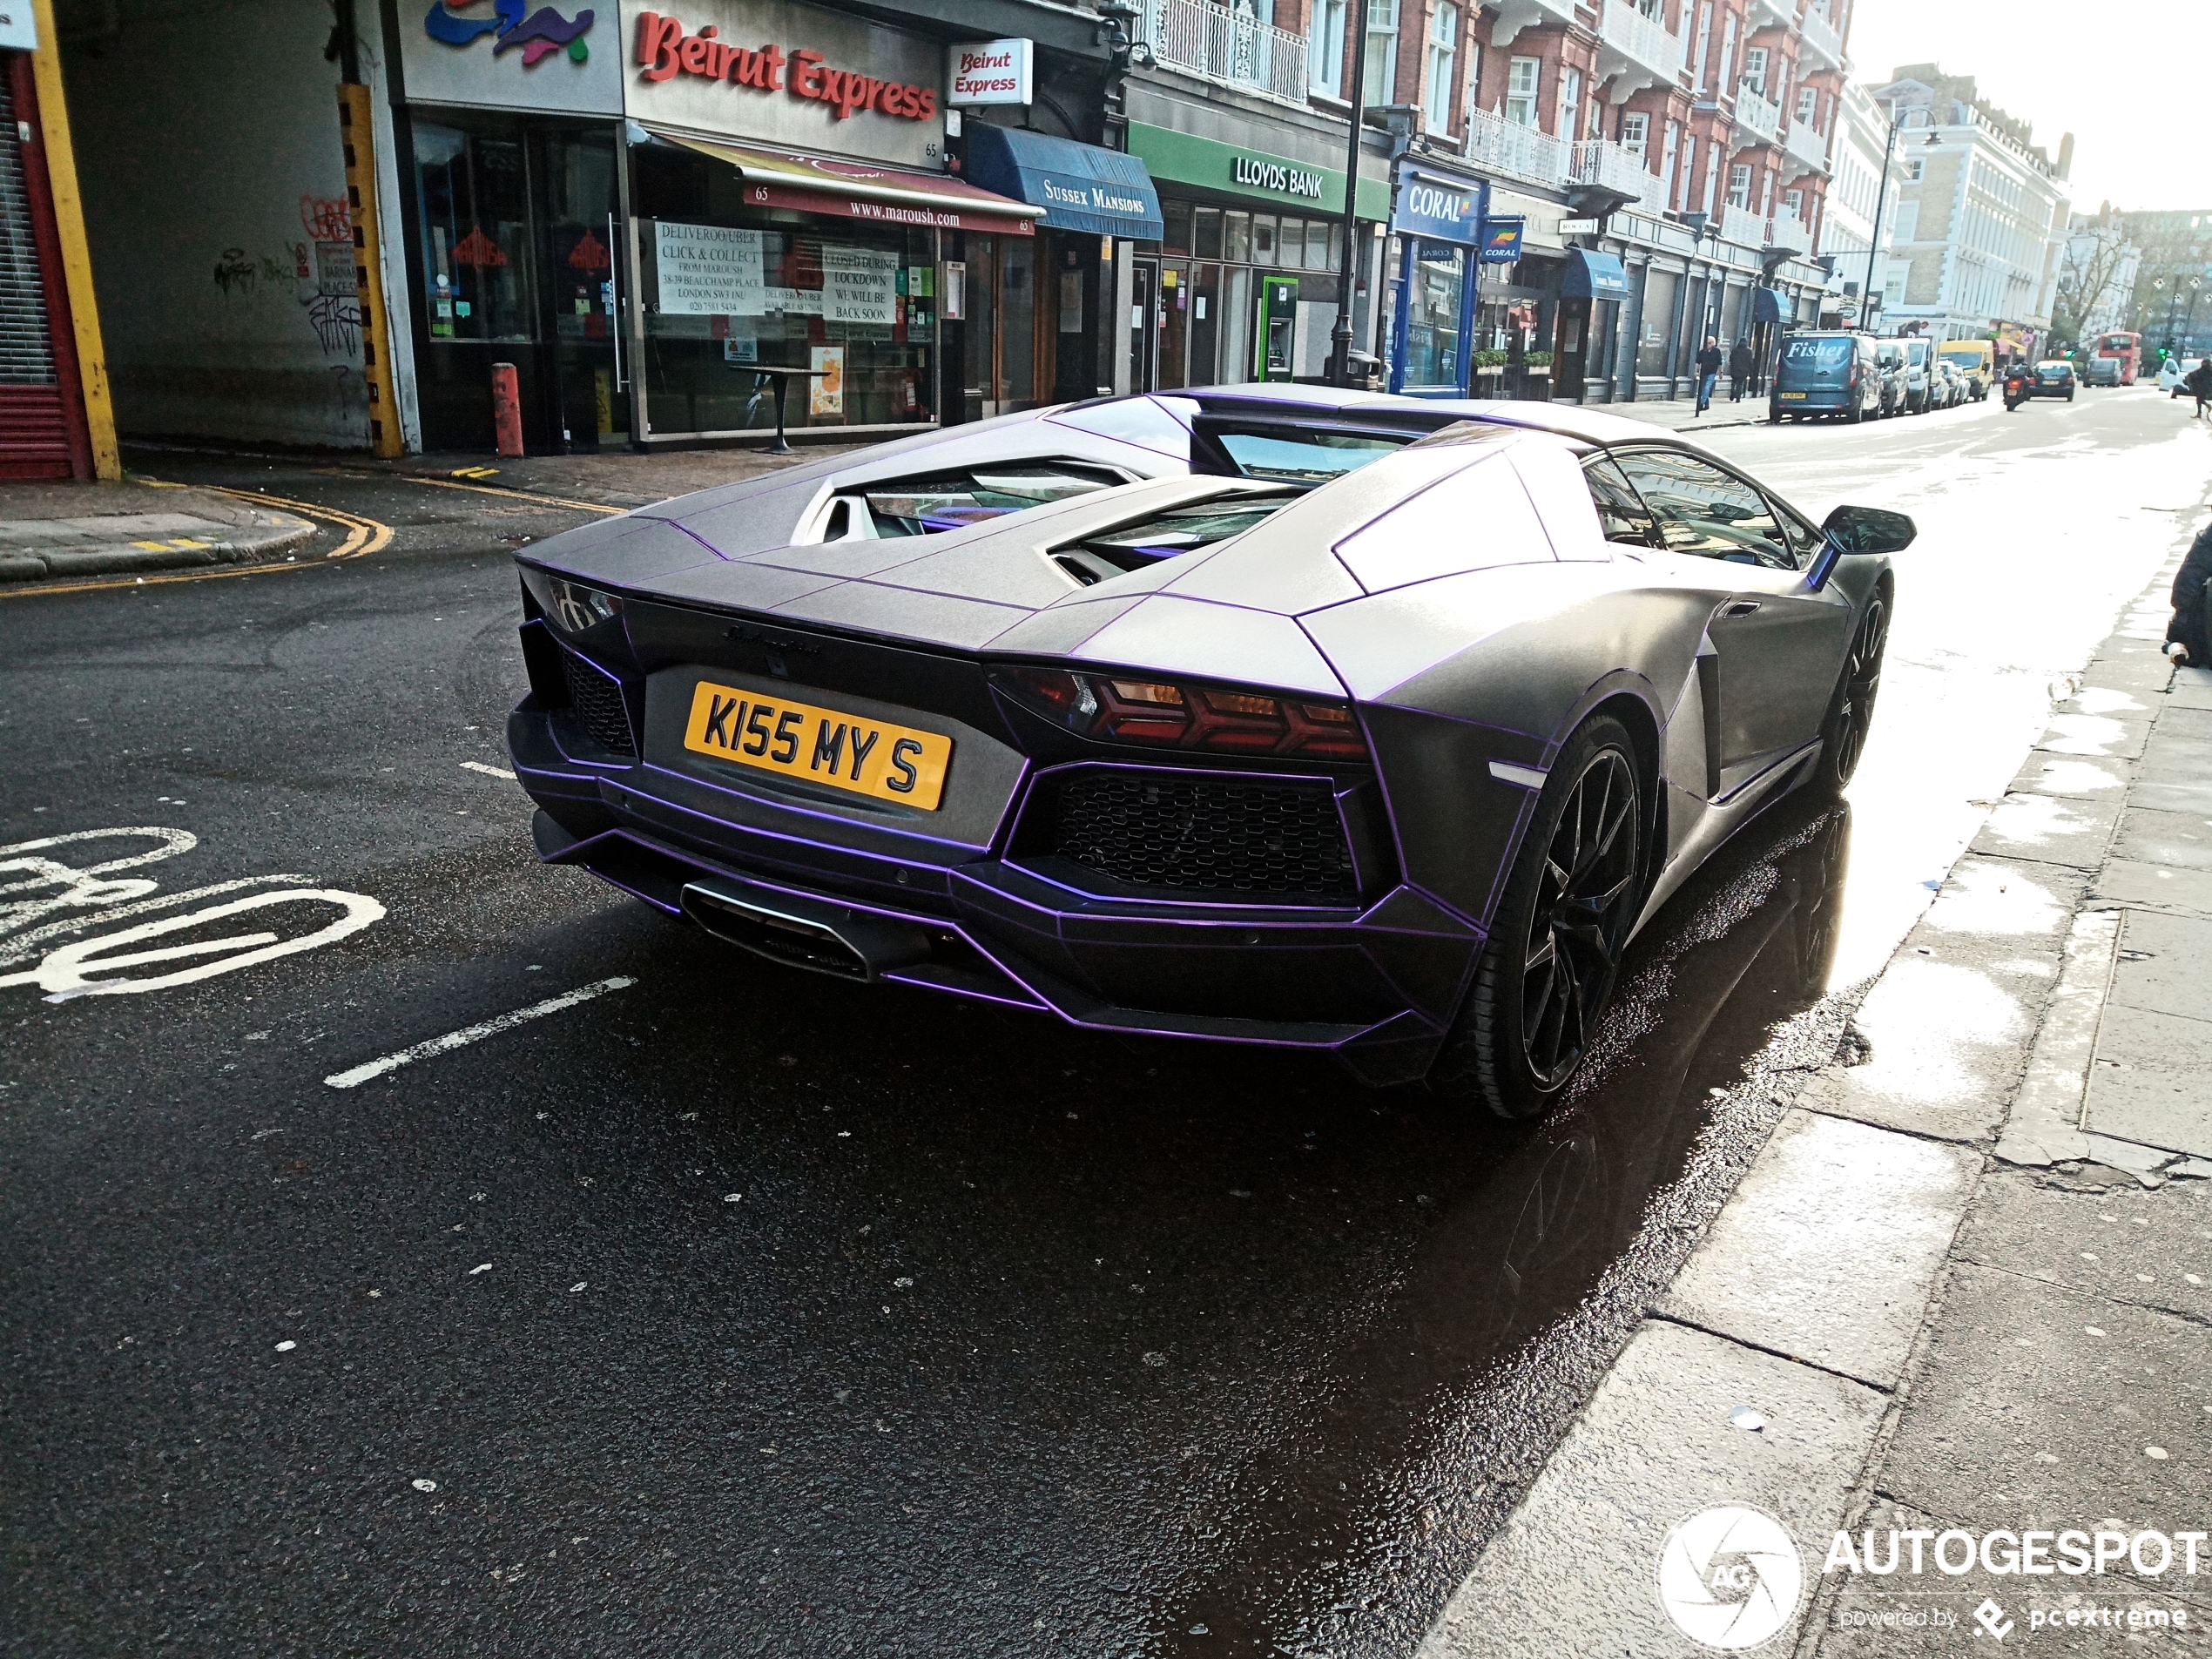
489 771
476 1033
530 496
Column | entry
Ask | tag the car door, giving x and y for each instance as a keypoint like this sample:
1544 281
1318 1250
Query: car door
1780 642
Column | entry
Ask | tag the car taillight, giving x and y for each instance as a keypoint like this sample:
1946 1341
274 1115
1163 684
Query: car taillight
1121 709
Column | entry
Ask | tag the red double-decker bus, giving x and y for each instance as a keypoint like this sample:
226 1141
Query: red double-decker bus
2129 348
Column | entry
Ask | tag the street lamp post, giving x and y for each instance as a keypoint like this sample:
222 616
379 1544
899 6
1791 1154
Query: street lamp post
1340 336
1881 195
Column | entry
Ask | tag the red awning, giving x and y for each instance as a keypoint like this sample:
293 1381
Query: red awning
863 190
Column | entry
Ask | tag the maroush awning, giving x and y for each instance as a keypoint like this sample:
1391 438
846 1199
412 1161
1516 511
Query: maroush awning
1766 305
1080 187
862 190
1592 276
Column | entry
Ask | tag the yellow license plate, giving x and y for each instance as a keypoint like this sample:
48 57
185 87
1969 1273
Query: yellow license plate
1786 396
825 746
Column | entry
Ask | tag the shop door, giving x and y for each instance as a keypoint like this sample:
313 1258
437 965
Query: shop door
1206 328
41 420
1174 306
1001 347
585 363
1570 346
1143 325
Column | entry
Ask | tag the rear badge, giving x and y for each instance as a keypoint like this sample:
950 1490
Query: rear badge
893 763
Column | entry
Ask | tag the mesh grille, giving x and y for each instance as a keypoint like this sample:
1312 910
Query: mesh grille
26 353
597 702
1158 831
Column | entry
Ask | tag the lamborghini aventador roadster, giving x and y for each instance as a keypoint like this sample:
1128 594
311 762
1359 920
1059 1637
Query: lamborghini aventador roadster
1369 725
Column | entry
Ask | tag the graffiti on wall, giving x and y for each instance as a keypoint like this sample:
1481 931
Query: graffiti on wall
318 276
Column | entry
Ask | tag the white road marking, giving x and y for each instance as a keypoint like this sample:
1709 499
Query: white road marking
467 1035
489 771
64 974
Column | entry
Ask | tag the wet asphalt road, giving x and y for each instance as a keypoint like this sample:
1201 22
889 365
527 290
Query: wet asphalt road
740 1310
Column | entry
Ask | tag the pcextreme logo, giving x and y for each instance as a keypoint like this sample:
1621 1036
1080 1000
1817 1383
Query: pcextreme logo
1730 1577
534 34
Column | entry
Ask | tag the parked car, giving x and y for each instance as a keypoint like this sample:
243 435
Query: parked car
1829 373
1919 375
1950 385
1888 363
2173 372
1976 360
2053 378
2103 371
1126 714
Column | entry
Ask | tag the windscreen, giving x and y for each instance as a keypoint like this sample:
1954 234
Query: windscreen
1306 457
1964 356
2116 343
953 501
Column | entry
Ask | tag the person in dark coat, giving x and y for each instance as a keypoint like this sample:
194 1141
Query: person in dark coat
1709 372
2199 380
1739 371
2186 636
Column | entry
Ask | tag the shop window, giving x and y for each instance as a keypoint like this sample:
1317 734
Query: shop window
854 303
1319 241
1176 239
1326 48
1382 51
1289 243
1433 353
1206 232
1237 238
478 258
1521 90
1443 59
1264 250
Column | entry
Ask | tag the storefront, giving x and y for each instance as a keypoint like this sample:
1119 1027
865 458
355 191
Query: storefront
1591 290
1436 240
1243 282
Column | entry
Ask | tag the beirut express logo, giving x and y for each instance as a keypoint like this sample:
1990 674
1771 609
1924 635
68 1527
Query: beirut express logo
536 34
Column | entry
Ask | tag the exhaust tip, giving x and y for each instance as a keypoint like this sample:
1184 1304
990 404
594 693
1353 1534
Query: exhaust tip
828 941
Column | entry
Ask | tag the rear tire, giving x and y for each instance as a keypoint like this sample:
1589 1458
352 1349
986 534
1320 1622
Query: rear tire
1555 952
1850 711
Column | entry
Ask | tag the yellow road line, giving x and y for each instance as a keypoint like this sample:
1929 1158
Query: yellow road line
363 536
480 489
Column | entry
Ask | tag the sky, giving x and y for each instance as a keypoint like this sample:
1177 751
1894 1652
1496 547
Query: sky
2128 79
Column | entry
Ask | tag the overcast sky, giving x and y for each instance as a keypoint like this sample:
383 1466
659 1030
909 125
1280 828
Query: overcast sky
2131 79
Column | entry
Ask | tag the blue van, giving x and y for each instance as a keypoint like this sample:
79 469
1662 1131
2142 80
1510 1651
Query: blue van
1826 374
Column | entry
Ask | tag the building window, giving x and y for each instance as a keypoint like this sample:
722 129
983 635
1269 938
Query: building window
1521 90
1739 184
1443 57
1327 47
1808 101
1570 100
1727 77
1795 201
1755 69
1667 163
1382 51
1704 40
1908 224
1635 131
1914 169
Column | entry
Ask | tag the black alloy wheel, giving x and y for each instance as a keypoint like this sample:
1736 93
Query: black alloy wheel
1850 711
1577 885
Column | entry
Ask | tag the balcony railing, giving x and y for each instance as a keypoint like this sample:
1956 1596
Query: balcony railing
1786 230
1759 114
1211 41
1742 224
1771 11
1643 40
1820 36
1522 151
1618 167
1807 143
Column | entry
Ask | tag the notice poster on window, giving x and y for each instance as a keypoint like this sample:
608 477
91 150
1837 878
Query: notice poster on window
827 387
709 271
859 285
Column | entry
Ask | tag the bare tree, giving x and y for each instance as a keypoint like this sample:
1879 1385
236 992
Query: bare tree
2094 255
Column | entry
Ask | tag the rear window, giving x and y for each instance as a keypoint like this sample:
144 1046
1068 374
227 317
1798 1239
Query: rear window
1165 535
953 501
1306 457
1965 356
1833 351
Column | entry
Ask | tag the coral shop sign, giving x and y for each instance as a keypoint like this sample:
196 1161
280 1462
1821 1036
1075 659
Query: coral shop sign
664 49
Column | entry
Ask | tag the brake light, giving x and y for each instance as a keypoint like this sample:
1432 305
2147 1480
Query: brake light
1178 716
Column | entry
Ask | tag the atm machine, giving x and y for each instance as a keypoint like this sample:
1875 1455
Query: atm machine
1278 327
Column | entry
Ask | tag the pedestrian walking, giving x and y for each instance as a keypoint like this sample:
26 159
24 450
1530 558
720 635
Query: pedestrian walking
1709 373
2186 636
1739 371
2199 380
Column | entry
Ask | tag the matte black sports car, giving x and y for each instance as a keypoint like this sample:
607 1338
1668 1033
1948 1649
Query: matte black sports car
1367 725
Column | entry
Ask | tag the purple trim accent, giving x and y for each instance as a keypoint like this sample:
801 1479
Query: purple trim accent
678 524
804 809
677 809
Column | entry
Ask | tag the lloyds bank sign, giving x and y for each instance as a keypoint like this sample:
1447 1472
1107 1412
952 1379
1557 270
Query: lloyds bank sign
1258 172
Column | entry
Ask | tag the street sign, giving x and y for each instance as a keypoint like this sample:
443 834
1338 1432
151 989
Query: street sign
1578 227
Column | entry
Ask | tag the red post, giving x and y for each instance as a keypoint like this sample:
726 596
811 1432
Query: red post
506 411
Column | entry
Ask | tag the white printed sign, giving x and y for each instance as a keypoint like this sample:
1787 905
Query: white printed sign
709 271
990 71
859 285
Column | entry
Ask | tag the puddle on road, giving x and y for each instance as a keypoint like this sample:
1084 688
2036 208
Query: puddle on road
1545 1253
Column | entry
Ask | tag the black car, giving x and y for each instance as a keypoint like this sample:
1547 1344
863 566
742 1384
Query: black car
2053 377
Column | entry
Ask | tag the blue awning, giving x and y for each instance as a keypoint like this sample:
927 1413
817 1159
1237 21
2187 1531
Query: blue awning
1766 306
1081 186
1593 276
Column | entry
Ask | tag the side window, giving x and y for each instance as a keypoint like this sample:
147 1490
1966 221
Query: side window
1622 513
1805 540
1704 511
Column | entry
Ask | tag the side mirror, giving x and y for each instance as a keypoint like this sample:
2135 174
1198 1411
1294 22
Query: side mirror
1870 530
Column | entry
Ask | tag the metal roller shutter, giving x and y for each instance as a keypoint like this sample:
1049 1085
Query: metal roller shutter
34 418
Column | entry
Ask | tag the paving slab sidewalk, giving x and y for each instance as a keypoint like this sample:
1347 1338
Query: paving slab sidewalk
1968 1283
51 532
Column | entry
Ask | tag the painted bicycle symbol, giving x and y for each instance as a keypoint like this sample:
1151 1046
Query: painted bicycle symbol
49 907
